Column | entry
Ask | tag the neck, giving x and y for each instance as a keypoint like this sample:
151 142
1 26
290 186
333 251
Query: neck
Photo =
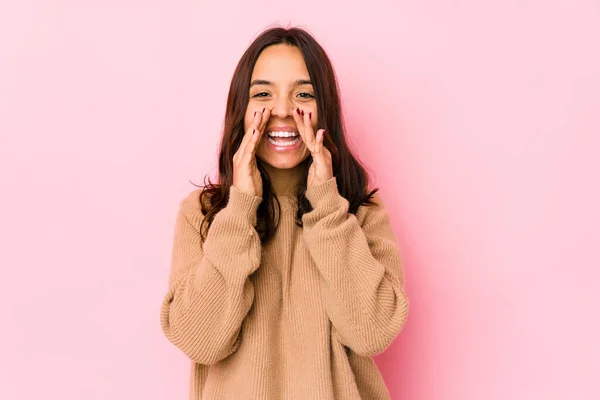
285 182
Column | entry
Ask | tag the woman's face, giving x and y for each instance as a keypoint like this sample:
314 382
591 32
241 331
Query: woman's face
280 82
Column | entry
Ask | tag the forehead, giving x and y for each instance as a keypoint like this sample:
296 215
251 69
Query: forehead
280 62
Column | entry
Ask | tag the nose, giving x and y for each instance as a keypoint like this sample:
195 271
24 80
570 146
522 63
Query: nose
282 107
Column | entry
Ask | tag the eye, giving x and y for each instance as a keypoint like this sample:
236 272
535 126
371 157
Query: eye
261 94
306 95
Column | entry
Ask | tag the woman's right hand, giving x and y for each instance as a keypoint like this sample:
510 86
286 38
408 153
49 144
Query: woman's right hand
246 176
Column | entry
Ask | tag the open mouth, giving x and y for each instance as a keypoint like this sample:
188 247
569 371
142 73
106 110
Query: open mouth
283 139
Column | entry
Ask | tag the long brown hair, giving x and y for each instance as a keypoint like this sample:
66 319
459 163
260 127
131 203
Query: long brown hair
351 177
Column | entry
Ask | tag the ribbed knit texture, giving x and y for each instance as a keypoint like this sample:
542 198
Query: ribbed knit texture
296 319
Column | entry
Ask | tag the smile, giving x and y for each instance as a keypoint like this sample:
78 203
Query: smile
283 139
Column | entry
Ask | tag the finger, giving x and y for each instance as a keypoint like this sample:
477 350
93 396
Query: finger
256 120
250 149
319 141
265 115
324 156
260 129
308 129
306 135
298 120
318 153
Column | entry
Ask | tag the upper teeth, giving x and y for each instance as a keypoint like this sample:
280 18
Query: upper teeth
283 134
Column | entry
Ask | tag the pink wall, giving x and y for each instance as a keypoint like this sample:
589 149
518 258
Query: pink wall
479 119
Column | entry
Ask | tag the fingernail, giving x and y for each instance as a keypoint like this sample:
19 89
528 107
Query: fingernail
253 130
263 109
298 111
310 116
324 132
255 113
303 113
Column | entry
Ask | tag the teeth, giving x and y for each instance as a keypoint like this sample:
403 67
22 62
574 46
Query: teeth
283 134
279 143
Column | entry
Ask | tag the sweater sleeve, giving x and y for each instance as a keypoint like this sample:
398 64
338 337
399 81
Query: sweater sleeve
209 292
361 268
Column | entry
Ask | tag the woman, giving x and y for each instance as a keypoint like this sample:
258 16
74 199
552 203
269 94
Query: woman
285 276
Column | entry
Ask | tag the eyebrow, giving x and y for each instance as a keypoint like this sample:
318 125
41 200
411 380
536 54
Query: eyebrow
297 82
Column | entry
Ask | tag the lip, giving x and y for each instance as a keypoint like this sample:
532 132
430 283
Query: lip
282 149
281 128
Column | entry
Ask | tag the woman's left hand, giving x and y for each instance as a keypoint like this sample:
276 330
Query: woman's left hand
321 169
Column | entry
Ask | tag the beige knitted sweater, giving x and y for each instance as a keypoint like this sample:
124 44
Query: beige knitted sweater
295 319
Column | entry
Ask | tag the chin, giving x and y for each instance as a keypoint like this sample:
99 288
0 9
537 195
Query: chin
282 161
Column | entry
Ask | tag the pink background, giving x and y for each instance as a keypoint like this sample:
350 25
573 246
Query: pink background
479 119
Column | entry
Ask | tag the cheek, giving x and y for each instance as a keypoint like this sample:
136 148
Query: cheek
262 149
247 120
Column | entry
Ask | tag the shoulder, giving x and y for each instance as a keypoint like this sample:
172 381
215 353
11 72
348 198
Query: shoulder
374 213
190 208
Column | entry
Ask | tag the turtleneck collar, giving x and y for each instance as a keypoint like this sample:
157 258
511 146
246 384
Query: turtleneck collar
285 182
